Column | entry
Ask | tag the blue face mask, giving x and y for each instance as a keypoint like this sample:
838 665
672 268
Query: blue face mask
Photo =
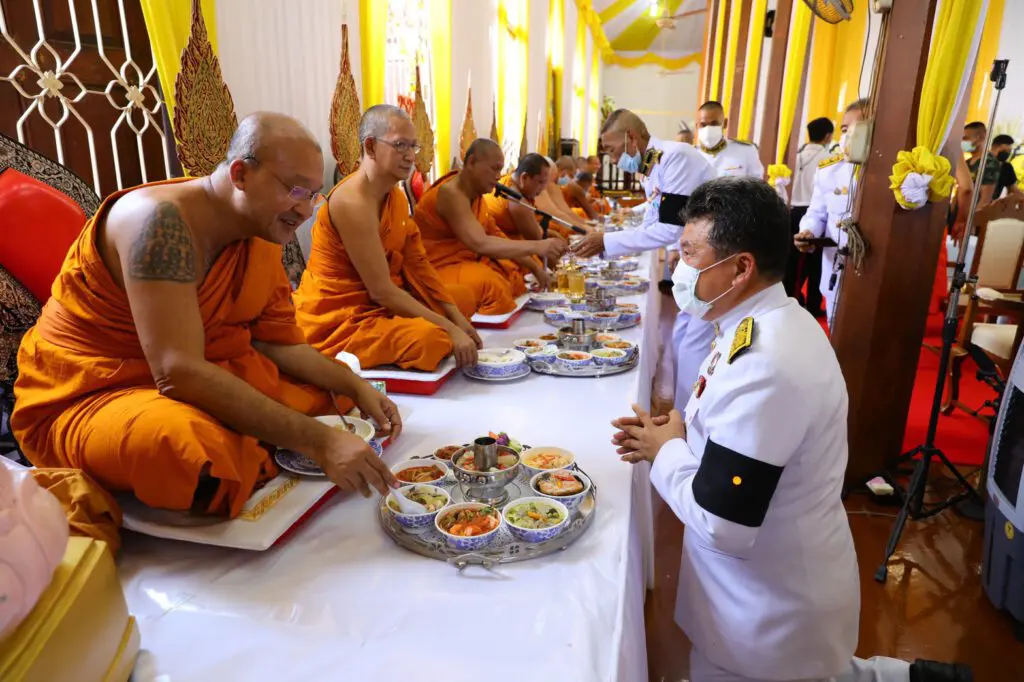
564 180
629 163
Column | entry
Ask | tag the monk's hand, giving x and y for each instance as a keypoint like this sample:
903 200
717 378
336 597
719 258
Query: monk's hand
543 280
464 346
800 240
551 249
641 437
372 402
591 245
352 465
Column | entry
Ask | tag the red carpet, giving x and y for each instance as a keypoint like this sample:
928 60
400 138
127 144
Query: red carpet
960 436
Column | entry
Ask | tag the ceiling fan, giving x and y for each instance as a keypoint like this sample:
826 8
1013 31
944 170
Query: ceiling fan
664 20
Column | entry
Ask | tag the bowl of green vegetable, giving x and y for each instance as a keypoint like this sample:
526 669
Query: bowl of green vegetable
535 519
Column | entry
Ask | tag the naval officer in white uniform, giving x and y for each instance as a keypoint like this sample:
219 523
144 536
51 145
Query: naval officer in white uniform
673 170
768 584
831 203
729 158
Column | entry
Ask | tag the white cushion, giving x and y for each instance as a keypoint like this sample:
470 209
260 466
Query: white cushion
996 339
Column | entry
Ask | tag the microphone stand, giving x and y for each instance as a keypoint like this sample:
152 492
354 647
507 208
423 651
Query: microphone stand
545 219
913 497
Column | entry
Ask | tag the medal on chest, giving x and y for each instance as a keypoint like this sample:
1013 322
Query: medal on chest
698 386
713 363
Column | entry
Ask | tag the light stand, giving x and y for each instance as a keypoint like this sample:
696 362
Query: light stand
913 497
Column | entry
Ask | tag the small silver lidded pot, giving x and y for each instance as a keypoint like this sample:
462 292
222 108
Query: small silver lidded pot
576 337
487 483
600 300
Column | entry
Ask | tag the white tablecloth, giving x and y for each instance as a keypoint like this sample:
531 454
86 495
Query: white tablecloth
340 601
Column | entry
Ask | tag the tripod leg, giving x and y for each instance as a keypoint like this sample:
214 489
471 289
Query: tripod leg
915 490
954 385
968 488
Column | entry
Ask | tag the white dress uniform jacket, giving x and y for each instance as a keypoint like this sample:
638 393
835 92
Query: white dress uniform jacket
737 159
679 171
807 160
831 203
768 585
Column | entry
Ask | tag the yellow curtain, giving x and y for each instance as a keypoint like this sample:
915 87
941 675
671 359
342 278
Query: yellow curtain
795 55
752 71
513 17
579 84
716 52
981 89
168 26
730 58
835 64
441 67
595 102
953 36
556 52
373 22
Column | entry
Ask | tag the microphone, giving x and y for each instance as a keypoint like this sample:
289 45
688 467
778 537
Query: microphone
507 192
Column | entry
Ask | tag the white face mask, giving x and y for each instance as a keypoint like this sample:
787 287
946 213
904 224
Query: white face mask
842 143
629 163
684 288
709 136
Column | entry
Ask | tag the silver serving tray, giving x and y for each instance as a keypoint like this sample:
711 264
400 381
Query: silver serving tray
589 371
505 548
591 326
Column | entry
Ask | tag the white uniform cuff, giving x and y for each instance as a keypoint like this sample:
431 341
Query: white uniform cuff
673 456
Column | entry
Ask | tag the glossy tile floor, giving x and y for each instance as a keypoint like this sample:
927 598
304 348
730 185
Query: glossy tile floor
932 605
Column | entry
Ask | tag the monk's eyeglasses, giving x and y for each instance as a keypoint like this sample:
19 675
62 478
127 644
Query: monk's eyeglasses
401 146
295 193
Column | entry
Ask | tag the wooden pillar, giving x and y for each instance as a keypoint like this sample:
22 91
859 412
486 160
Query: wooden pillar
773 88
709 48
880 319
736 96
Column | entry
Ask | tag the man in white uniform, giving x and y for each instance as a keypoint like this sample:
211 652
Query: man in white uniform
831 204
768 584
673 171
728 157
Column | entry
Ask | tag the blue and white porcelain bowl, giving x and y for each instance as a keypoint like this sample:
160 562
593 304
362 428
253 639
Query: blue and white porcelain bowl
609 356
571 502
632 284
532 468
526 344
542 300
605 319
542 505
575 315
360 427
377 447
415 521
497 363
574 359
578 306
544 354
628 316
556 315
605 337
421 462
591 283
626 346
466 544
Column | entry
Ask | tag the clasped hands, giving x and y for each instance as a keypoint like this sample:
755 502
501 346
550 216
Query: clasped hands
640 437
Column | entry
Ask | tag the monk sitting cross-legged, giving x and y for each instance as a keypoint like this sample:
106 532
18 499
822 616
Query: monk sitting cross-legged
167 361
574 192
369 288
464 244
515 220
552 201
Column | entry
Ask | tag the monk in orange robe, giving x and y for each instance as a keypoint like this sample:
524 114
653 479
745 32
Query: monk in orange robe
516 221
463 242
168 363
369 288
552 201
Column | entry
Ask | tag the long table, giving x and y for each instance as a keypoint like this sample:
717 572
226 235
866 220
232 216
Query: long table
340 601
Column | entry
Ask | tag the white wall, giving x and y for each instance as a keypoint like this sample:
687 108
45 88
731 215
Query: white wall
275 58
1010 117
537 66
660 98
474 23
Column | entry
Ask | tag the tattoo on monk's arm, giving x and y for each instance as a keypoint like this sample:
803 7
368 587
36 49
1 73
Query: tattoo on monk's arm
163 249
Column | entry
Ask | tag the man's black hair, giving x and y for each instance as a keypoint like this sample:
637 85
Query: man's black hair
746 215
819 129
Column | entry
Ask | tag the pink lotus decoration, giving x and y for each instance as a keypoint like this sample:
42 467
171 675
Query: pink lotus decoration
33 537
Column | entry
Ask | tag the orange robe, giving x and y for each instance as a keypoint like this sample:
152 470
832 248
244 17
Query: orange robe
498 208
573 204
493 283
334 308
86 398
600 204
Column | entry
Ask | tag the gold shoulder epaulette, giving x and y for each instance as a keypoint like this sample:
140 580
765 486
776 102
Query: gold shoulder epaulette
742 339
830 161
652 157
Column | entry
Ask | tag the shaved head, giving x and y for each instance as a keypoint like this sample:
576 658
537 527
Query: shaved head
623 120
265 132
482 147
376 121
566 163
